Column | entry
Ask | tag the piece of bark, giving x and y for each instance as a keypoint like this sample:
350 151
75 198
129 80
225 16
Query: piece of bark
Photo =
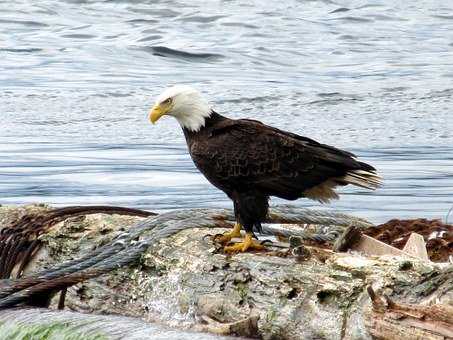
348 239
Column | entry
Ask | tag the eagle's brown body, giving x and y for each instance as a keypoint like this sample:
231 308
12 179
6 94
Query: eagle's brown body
251 161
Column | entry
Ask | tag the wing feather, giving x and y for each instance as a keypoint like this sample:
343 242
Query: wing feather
248 155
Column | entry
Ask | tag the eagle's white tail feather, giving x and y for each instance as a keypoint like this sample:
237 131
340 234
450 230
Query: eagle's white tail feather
323 192
363 178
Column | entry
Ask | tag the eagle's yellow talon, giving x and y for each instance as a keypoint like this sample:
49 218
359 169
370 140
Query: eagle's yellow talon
248 243
226 237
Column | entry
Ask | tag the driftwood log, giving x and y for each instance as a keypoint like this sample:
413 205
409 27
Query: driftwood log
164 269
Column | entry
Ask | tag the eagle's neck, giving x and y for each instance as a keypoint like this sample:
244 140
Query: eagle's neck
191 112
209 122
213 119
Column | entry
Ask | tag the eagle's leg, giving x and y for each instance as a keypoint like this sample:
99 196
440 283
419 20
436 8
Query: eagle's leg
248 243
226 237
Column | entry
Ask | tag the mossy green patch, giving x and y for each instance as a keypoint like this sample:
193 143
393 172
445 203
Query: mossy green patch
51 331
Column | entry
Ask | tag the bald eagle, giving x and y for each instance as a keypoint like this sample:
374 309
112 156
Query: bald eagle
251 161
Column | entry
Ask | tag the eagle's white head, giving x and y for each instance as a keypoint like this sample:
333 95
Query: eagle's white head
184 103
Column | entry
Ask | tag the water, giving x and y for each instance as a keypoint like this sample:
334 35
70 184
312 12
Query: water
77 79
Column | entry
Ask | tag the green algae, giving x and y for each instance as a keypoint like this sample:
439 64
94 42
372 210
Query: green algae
51 331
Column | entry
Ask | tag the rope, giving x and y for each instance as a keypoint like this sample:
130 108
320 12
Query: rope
19 242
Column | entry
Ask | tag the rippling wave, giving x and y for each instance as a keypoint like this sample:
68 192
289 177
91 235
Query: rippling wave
161 177
77 79
163 51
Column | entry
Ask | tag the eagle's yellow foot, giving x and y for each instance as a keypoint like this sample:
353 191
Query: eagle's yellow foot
248 243
226 237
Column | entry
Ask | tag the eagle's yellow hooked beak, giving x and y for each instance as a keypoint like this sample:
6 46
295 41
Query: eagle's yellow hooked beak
156 112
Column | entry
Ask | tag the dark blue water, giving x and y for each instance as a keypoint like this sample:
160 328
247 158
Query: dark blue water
77 79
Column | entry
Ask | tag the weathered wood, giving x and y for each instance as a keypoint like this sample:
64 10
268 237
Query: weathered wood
416 247
184 282
387 319
353 239
370 246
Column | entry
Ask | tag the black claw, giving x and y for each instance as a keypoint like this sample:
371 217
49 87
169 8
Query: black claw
218 248
264 242
213 237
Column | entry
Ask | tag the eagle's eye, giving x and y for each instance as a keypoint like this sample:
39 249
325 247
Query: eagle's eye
167 101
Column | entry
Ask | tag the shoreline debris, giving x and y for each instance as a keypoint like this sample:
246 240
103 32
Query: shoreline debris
353 239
